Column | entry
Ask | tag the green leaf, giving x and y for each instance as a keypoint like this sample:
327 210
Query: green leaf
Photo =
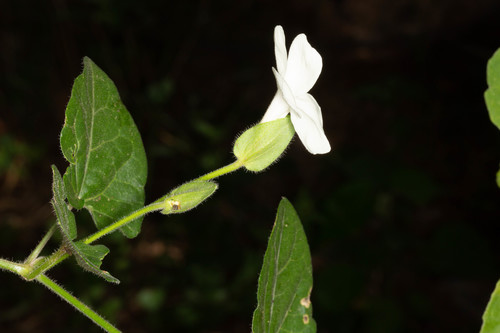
108 167
491 316
285 281
492 94
90 257
187 196
263 143
65 217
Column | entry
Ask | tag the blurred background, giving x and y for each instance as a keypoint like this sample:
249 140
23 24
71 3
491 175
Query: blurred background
400 215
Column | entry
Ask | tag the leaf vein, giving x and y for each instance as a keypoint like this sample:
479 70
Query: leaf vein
89 135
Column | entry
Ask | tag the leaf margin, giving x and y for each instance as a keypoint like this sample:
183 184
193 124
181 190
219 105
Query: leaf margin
302 308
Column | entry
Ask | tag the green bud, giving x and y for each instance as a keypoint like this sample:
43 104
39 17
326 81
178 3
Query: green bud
187 196
264 143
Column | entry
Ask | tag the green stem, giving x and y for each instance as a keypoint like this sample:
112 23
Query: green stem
44 264
120 223
12 266
222 171
83 308
34 267
30 272
40 245
61 254
156 205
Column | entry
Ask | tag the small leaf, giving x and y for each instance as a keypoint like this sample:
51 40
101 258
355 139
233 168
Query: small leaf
285 281
491 316
187 196
90 258
263 143
65 217
107 170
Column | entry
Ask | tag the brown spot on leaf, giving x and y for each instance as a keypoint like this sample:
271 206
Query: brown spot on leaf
306 301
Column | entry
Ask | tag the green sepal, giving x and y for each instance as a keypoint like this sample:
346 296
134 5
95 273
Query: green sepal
261 145
285 281
187 196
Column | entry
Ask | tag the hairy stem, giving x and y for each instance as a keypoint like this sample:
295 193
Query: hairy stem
35 267
34 254
12 266
76 303
120 223
44 264
47 263
222 171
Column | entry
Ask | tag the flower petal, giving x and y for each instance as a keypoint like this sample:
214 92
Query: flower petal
280 49
283 101
303 67
286 91
308 105
278 108
309 126
306 117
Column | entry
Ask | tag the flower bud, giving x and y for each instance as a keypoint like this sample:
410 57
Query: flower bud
187 196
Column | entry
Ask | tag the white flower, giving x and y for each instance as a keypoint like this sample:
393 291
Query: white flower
296 75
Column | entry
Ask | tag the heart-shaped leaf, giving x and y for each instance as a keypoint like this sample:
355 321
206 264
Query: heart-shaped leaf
285 281
108 167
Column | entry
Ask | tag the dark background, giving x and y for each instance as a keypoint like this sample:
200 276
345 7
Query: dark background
400 216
